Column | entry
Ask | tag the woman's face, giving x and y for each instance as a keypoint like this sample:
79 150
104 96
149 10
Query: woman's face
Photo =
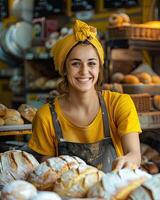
82 67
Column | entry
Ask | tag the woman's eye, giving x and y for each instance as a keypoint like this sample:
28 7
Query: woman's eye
92 64
76 64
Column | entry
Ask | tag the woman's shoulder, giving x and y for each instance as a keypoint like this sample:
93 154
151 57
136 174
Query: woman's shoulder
107 94
44 109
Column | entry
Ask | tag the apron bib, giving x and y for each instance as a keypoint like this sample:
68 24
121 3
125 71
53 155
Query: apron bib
99 154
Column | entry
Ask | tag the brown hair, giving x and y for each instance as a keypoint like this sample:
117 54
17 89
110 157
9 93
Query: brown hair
63 83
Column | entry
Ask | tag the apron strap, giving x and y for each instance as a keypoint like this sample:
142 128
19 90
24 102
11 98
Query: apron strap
56 124
104 116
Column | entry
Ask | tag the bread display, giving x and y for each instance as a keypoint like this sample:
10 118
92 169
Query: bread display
16 165
3 109
46 196
117 185
77 181
27 112
45 174
18 190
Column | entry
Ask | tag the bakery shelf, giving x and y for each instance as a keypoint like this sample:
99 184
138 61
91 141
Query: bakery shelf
144 44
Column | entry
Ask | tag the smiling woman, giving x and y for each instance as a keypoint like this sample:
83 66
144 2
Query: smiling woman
95 125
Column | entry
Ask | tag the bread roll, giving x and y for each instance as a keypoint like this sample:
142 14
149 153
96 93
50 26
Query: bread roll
76 182
3 109
1 121
117 77
28 112
46 196
18 190
45 175
156 79
156 102
125 17
14 120
115 20
16 164
144 77
117 185
131 79
11 113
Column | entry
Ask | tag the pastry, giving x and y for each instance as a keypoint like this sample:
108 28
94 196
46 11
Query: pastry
16 164
45 174
76 181
27 112
18 190
3 109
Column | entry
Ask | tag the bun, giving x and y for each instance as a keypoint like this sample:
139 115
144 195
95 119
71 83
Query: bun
115 20
125 17
117 77
11 113
77 181
117 185
16 164
1 121
28 112
3 109
46 196
14 120
156 101
144 77
18 190
131 79
156 79
45 174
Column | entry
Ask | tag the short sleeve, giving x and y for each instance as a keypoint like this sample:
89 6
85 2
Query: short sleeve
127 120
42 140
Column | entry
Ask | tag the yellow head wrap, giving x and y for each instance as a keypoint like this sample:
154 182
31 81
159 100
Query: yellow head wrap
81 32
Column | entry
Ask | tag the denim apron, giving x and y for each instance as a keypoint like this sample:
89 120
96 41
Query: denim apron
99 154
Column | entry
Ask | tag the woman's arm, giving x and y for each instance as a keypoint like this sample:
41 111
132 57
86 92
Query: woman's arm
132 153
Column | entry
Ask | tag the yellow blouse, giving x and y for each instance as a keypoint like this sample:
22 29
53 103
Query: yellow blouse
123 119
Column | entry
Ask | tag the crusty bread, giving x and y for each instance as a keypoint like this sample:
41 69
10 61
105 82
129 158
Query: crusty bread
11 113
44 195
3 109
1 121
77 181
28 112
16 164
45 174
117 185
14 120
18 190
144 77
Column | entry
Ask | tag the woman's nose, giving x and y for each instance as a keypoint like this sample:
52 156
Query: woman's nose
84 68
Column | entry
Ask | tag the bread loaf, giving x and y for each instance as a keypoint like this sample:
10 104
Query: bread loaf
77 181
11 113
1 121
3 109
28 112
131 79
14 120
15 165
46 196
144 77
117 185
45 175
18 190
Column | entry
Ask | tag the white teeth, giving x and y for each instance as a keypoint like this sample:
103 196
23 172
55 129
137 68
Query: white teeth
83 79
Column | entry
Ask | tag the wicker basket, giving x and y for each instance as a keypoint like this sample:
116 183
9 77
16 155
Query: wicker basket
150 120
142 102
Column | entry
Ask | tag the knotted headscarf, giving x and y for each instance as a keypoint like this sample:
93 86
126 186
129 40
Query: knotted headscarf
81 32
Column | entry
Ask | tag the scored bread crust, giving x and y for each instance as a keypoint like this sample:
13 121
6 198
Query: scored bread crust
16 164
77 181
45 175
28 112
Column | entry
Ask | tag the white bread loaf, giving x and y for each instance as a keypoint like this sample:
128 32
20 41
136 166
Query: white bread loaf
45 175
44 195
27 112
77 181
18 190
117 185
16 165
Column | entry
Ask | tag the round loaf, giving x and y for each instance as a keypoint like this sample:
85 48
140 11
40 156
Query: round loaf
2 121
77 181
126 18
156 79
45 175
144 77
28 112
15 165
156 102
131 79
117 185
14 120
115 20
18 190
3 109
117 77
46 196
11 113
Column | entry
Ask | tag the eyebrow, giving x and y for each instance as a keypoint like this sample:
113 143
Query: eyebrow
80 59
